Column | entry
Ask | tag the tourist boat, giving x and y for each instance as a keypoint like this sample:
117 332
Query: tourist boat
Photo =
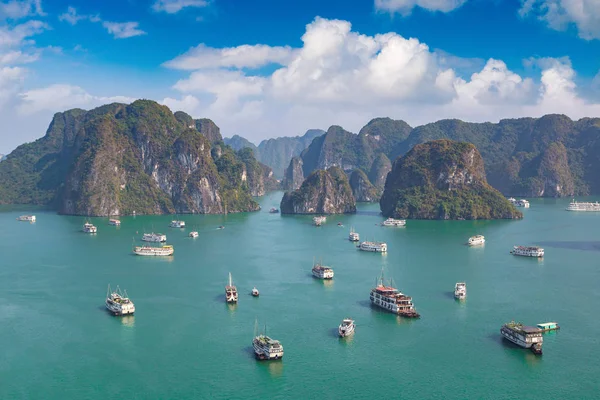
548 326
26 218
391 299
460 290
575 206
347 327
377 247
512 200
529 337
154 237
255 292
231 294
476 240
522 203
274 210
322 272
394 222
114 222
165 250
118 303
319 220
89 228
266 348
193 234
221 227
353 236
177 224
528 251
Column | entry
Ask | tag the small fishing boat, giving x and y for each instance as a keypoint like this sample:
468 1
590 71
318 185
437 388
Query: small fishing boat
193 234
89 228
347 327
177 224
273 210
255 292
548 326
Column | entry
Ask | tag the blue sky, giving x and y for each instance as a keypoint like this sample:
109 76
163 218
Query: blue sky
272 68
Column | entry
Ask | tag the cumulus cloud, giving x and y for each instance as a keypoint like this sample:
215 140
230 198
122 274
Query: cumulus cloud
15 36
243 56
342 77
174 6
560 14
405 7
123 30
15 9
60 97
73 17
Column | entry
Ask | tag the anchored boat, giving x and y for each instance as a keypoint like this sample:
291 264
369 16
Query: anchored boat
391 299
347 327
26 218
154 237
319 220
177 224
255 292
584 206
193 234
114 222
89 228
522 203
528 337
273 210
353 236
528 251
166 250
460 290
476 240
548 326
266 348
118 303
376 247
231 294
394 222
322 272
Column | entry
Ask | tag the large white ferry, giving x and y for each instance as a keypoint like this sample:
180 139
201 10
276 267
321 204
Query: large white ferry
166 250
322 272
319 220
586 206
376 247
476 240
89 228
394 222
26 218
528 251
177 224
231 293
391 299
460 290
266 348
353 236
118 303
522 203
528 337
347 327
154 237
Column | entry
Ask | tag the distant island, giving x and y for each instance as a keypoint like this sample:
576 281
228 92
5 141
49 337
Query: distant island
119 159
443 179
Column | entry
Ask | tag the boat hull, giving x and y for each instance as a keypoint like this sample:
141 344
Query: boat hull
266 355
347 331
392 308
507 334
118 311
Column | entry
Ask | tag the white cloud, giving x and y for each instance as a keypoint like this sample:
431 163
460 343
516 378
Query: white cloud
71 16
560 14
405 7
18 57
245 56
174 6
60 97
123 30
15 9
188 104
13 37
11 79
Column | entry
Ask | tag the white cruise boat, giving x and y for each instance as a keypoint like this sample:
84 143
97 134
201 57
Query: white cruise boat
231 293
529 337
394 222
319 220
26 218
528 251
476 240
460 290
193 234
512 200
376 247
154 237
522 203
353 236
266 348
166 250
118 303
322 272
586 206
89 228
177 224
347 327
114 222
391 299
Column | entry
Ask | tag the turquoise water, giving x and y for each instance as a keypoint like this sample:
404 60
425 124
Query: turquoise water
184 342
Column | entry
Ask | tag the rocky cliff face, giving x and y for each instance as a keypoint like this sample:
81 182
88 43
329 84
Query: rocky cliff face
209 129
442 179
323 192
362 189
124 158
379 170
294 175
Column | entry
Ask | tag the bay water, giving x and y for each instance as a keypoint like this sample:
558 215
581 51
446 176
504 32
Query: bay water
184 342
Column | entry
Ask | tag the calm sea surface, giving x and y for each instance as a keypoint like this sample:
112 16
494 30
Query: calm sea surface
58 342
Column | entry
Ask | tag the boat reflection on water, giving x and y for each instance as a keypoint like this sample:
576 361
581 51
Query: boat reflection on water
128 320
231 307
275 368
328 283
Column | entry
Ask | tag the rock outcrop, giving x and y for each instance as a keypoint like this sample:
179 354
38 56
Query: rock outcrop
294 175
362 189
323 192
379 170
443 179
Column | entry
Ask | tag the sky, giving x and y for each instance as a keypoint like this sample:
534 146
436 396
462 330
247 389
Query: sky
268 68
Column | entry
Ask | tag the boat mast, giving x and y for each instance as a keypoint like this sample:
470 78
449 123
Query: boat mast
230 284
